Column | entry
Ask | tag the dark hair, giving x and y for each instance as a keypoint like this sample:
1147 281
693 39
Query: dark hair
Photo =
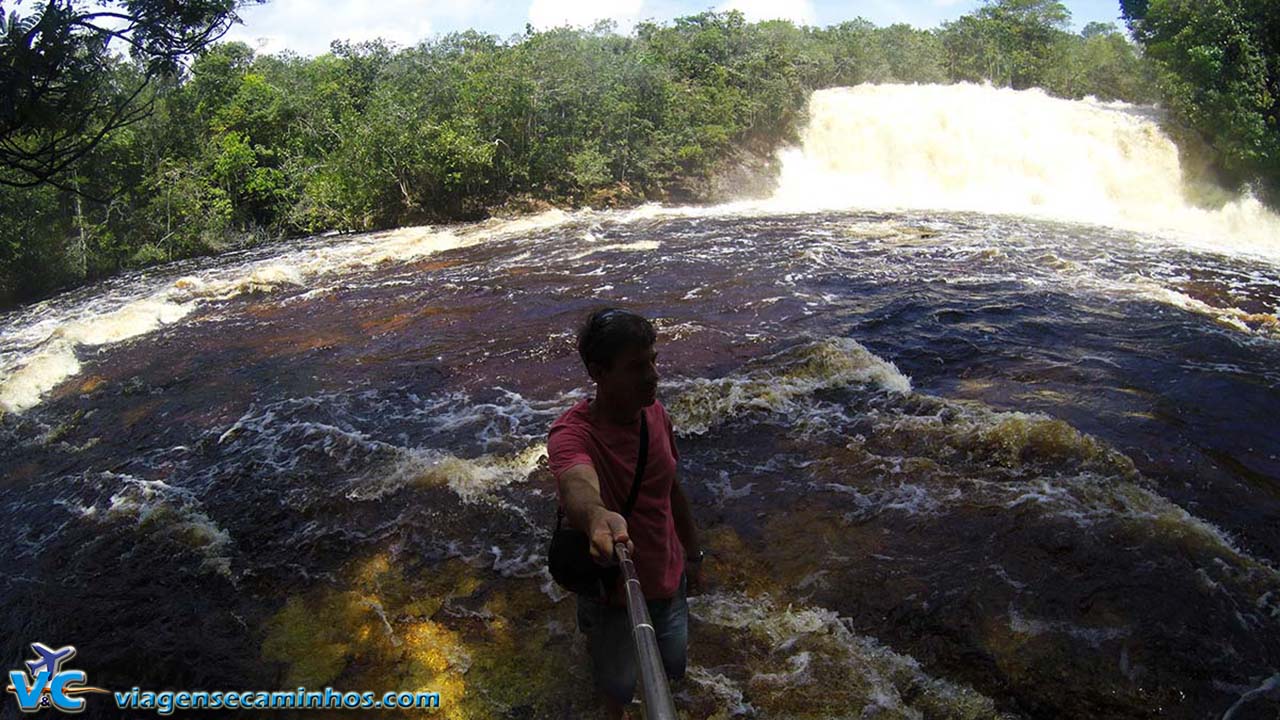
608 332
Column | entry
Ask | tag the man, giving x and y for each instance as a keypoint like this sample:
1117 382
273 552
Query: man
593 450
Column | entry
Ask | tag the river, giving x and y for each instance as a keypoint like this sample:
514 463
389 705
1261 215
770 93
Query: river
967 437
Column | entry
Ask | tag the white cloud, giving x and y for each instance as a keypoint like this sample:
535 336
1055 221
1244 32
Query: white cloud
554 13
308 26
799 12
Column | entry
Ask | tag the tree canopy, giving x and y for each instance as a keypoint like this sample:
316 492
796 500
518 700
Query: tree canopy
64 89
1218 64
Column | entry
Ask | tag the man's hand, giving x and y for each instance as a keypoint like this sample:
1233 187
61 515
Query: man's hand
580 488
606 528
693 577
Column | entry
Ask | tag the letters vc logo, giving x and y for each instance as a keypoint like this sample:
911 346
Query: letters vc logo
48 685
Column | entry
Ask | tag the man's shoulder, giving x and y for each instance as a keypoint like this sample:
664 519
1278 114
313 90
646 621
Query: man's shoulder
576 417
658 411
569 440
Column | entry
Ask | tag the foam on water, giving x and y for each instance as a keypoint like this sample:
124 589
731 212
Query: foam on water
723 688
723 489
923 455
1095 637
281 435
154 506
637 246
1270 688
889 496
809 656
774 383
1026 460
1266 325
472 479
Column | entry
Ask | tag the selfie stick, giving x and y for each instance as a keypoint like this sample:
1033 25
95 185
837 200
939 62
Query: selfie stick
653 677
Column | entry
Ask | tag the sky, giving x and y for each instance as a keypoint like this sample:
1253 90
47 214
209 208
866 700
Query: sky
307 26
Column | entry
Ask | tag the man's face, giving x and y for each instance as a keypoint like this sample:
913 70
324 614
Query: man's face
633 379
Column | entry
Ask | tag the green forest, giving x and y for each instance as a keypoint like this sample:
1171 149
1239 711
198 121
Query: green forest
137 137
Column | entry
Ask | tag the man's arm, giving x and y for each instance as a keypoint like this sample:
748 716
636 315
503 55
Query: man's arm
688 533
683 516
580 488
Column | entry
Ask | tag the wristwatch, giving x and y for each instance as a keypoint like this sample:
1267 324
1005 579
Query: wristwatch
695 558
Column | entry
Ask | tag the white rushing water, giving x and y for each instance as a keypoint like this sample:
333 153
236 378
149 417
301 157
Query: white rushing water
41 345
978 148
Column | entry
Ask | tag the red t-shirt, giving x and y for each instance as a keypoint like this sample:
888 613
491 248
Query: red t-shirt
612 450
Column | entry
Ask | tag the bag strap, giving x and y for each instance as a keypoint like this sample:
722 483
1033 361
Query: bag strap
640 463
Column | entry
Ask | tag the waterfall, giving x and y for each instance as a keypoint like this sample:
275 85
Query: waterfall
978 148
